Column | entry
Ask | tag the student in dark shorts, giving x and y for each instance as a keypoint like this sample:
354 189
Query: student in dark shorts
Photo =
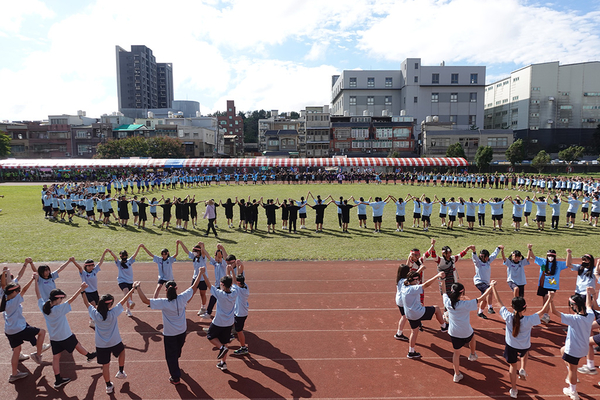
166 206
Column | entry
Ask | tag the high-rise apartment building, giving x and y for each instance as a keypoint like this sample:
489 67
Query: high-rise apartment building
453 94
142 83
550 106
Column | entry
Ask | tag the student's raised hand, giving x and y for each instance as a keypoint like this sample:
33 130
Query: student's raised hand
34 276
83 286
28 260
202 271
493 283
136 284
238 263
569 251
501 246
529 246
71 259
432 241
441 275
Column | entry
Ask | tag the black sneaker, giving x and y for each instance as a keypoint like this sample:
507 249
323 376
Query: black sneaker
401 337
173 381
222 352
222 366
414 354
444 328
91 356
482 315
61 383
491 311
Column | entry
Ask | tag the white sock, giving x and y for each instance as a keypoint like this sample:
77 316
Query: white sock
399 333
590 363
411 349
490 307
481 311
573 388
444 325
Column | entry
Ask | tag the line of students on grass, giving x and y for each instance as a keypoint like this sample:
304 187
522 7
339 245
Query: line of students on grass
229 294
580 341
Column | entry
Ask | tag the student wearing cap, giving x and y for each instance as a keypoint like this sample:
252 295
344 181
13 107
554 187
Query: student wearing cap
17 330
61 337
174 321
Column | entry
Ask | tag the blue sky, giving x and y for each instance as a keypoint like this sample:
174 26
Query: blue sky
59 56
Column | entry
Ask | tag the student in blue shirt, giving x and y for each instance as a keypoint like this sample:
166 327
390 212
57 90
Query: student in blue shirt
165 266
361 207
124 265
61 337
46 279
549 278
107 336
518 336
174 321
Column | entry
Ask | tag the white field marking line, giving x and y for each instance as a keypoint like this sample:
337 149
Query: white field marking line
277 360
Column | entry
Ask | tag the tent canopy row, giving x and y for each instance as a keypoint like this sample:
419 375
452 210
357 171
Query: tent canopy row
231 162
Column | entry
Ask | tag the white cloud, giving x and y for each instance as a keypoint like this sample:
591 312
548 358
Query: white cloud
483 32
14 12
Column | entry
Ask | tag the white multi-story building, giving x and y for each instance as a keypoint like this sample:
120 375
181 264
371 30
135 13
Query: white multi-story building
547 103
317 131
453 94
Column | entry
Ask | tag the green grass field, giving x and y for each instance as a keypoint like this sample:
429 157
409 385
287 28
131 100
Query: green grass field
25 233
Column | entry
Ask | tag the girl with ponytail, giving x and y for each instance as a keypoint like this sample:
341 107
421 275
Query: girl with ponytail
459 321
518 336
17 330
61 337
107 336
199 257
125 277
174 321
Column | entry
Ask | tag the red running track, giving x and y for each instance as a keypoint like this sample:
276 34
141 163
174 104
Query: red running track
321 330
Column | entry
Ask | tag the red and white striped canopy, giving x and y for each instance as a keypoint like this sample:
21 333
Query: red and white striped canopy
232 162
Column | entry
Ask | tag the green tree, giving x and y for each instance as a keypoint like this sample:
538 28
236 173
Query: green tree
571 154
165 147
515 152
4 144
251 125
394 154
455 150
218 114
484 157
137 146
294 115
540 160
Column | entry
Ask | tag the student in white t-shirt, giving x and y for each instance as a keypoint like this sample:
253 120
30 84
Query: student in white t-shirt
417 312
577 342
518 336
401 274
107 336
174 321
460 330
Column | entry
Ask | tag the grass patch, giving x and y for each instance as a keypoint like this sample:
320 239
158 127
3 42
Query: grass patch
25 233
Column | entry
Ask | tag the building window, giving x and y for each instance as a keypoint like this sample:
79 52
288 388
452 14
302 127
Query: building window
453 119
453 97
537 89
564 94
352 100
370 82
473 78
564 120
515 98
388 100
435 79
435 97
534 128
535 115
388 82
473 97
516 79
416 65
566 107
352 82
535 102
416 79
370 100
416 99
454 79
498 142
472 119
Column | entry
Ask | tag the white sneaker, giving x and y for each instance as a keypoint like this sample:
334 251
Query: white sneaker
92 324
513 393
573 395
522 374
445 316
131 304
110 389
206 316
46 346
587 370
473 357
36 358
19 375
23 357
457 378
121 375
128 313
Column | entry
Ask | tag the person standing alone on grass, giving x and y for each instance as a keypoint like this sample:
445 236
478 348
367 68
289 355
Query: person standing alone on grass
174 322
